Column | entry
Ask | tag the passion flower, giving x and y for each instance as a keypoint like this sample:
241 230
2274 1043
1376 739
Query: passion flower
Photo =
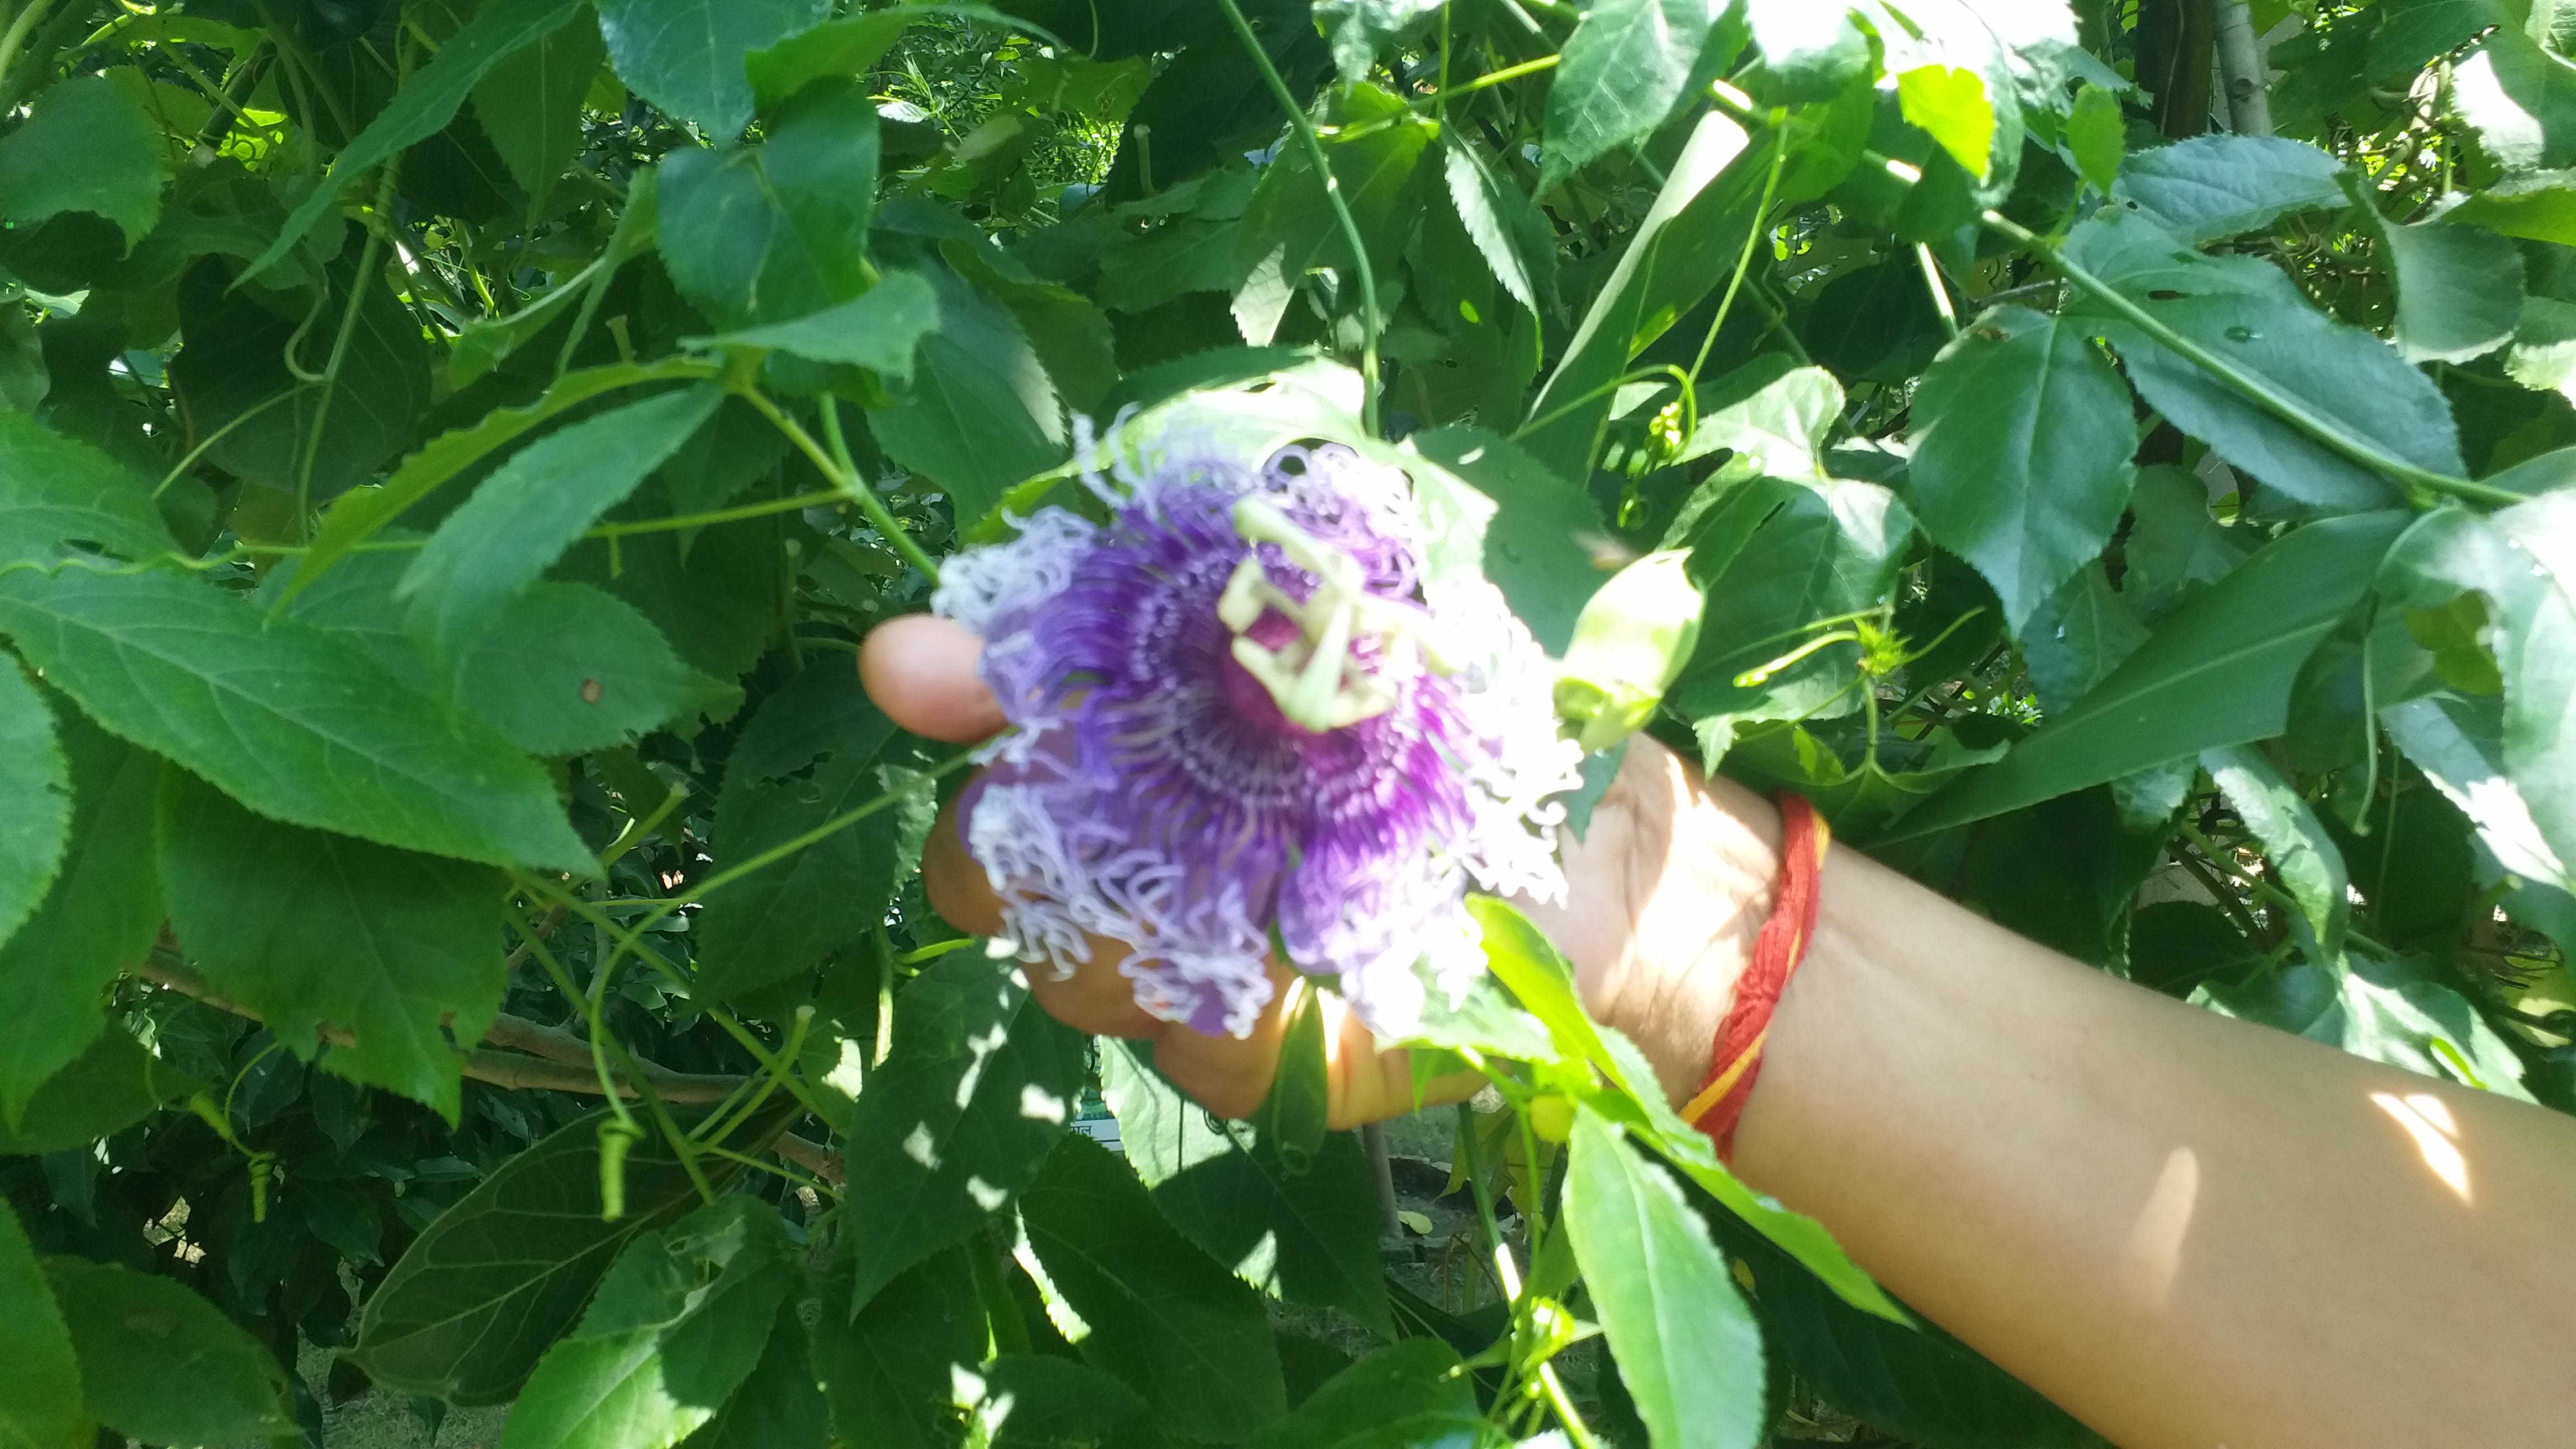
1245 720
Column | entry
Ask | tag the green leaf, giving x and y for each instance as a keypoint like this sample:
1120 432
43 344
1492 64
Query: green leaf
2251 314
295 723
101 913
2218 186
1522 957
879 329
2218 673
1773 417
2459 290
423 107
686 56
1670 261
2459 745
1162 1317
960 1117
2519 98
1070 335
2304 859
1536 548
498 1277
40 1386
530 102
2077 637
983 414
35 798
2098 135
324 934
781 1405
1952 105
1815 552
1815 49
2413 32
1412 1392
810 754
888 1371
2176 547
160 1365
533 507
2538 657
2538 205
111 1086
2386 1011
777 231
1626 66
1309 1237
2022 434
56 493
1687 1346
1041 1402
85 147
1507 227
849 46
567 669
679 1323
266 424
1359 29
1289 229
2543 355
360 514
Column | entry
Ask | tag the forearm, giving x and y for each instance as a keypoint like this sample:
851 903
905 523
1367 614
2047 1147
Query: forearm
2184 1229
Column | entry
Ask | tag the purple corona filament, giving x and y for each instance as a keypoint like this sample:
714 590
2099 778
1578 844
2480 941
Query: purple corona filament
1241 725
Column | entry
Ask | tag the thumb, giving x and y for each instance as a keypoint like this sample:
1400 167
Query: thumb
921 671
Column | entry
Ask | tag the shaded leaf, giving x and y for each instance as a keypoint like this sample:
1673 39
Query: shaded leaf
2459 745
2078 636
2022 436
1359 29
475 1299
686 56
2218 673
325 934
35 798
423 107
983 414
530 101
781 1405
1289 229
56 493
567 669
887 1371
533 507
960 1117
680 1321
1536 547
1033 1401
1163 1317
99 915
878 329
40 1385
2386 1011
2459 290
777 231
1411 1392
111 1086
85 146
299 725
2303 858
1309 1237
159 1364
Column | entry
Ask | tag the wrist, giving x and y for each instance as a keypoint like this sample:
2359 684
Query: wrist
1667 892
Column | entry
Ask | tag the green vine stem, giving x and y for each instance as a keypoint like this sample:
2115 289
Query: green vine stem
1314 143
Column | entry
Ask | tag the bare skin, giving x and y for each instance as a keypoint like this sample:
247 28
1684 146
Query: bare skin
2186 1230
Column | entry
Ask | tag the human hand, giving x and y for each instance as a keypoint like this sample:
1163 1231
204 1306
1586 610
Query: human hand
1665 894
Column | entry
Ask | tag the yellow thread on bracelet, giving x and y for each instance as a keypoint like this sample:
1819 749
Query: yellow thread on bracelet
1724 1082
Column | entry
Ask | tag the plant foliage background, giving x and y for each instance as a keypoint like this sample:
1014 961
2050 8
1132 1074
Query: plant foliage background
450 453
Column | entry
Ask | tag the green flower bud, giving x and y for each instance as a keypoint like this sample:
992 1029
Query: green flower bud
1629 646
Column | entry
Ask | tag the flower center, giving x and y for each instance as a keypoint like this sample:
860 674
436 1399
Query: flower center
1313 677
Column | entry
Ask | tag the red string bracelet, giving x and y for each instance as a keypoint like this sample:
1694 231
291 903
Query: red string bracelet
1777 950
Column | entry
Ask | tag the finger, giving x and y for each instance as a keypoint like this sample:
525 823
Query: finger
921 671
1231 1077
1095 999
